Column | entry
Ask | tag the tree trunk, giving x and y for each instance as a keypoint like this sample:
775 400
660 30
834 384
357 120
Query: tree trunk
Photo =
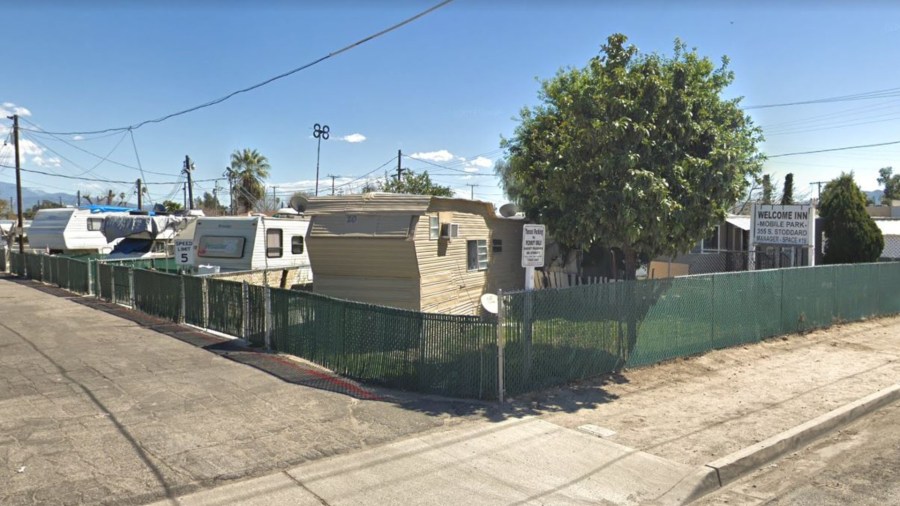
630 262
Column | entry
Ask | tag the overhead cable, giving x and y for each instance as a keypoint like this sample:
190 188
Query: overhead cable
267 81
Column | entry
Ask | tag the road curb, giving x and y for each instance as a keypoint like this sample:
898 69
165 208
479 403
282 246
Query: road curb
732 467
720 472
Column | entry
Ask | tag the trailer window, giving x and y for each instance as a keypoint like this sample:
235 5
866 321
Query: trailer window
477 255
95 224
434 228
220 247
297 245
273 243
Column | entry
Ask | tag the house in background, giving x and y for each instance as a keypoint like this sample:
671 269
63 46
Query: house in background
419 252
890 229
725 250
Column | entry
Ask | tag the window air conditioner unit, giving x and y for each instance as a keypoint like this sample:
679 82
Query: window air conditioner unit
449 230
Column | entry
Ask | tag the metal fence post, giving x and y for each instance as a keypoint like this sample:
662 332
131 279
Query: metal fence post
90 278
204 289
131 286
182 313
245 311
268 318
501 334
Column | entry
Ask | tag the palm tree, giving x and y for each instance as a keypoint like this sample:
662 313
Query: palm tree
249 168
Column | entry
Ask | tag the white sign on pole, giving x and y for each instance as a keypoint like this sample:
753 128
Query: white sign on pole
184 251
533 241
783 225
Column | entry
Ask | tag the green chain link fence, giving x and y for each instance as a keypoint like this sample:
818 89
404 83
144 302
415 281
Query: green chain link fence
226 307
556 336
551 337
158 294
121 285
193 300
429 353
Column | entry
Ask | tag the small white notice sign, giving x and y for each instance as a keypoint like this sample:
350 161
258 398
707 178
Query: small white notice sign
184 251
533 242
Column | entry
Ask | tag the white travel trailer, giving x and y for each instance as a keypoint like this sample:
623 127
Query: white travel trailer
251 243
71 230
146 236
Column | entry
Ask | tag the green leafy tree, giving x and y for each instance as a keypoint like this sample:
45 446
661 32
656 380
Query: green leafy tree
767 189
851 234
210 204
416 184
172 206
640 152
248 172
891 183
787 195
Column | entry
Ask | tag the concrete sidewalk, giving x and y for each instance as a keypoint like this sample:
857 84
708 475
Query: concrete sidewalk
96 408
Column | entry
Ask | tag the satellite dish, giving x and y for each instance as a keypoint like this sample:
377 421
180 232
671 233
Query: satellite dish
299 202
508 210
489 303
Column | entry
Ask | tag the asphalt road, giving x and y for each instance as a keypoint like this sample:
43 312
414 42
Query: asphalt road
858 465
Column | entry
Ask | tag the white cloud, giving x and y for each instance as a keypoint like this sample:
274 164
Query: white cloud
40 161
353 138
78 138
9 108
471 169
29 148
482 162
434 156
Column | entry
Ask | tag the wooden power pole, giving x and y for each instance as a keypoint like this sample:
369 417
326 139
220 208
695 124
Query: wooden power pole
20 228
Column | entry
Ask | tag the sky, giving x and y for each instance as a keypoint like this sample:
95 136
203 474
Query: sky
443 89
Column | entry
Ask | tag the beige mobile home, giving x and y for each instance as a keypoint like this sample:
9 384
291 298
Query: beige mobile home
431 254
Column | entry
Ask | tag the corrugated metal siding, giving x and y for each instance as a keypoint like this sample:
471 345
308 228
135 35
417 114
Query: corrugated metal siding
447 285
401 293
363 257
373 270
368 203
362 225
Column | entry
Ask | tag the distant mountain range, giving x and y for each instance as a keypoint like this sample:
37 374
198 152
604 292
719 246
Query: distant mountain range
31 196
875 196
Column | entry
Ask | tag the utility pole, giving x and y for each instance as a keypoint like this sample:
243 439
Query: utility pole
216 195
140 188
184 190
188 169
399 170
274 197
230 175
78 198
819 188
19 230
332 183
320 132
472 192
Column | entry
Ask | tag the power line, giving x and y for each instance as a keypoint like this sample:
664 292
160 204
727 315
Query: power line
97 180
869 95
39 131
267 81
861 146
376 169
